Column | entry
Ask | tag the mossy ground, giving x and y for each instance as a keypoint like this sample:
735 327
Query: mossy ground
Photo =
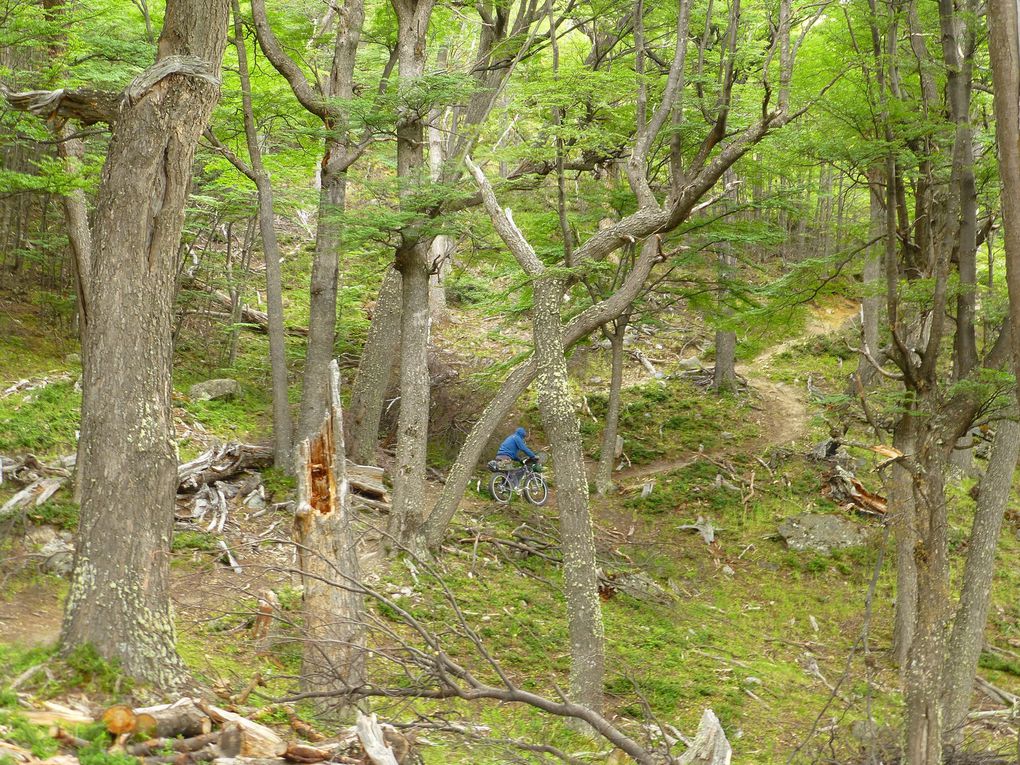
750 629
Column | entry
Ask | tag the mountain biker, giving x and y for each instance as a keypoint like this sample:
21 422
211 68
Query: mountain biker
513 445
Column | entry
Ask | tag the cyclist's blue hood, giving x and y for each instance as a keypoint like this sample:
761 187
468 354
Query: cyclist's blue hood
514 444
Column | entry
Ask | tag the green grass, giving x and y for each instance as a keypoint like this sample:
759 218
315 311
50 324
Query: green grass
42 421
670 419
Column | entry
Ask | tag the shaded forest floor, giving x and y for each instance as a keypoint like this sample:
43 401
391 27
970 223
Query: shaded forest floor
757 632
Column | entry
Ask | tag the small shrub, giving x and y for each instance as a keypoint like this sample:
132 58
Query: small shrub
193 540
89 669
21 732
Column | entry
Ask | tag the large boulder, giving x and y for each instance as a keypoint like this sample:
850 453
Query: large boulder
821 533
213 390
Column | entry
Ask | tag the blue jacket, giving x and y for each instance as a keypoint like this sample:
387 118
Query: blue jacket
514 444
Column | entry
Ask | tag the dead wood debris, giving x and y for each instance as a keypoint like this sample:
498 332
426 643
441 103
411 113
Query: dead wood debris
191 730
841 485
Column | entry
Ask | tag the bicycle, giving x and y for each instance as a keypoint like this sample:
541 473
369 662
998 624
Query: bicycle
527 480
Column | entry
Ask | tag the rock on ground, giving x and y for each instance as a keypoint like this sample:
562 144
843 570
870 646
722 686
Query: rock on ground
821 533
212 390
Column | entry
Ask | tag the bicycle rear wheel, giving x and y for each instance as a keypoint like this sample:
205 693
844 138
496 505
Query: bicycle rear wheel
536 490
500 487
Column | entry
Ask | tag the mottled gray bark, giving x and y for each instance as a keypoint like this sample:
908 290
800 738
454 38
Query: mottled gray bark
607 452
968 634
118 599
958 44
322 294
441 250
724 376
923 675
375 368
559 419
1004 54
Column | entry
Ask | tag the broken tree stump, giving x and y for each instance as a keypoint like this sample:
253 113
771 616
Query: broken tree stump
333 658
710 746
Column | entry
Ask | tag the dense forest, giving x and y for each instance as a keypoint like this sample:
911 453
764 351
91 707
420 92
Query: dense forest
579 381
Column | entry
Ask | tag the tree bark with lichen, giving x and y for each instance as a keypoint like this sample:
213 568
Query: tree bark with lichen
118 600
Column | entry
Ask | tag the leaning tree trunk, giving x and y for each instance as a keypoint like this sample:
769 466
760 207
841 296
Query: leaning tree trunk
118 599
559 419
374 370
333 658
968 634
516 383
607 454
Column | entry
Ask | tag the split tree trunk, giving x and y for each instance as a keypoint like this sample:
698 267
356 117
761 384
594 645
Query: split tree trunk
968 634
495 412
118 598
333 659
375 369
607 454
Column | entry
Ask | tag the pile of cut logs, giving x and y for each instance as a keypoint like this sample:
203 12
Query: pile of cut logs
191 730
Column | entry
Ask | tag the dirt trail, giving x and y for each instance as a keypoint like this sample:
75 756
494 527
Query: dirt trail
785 414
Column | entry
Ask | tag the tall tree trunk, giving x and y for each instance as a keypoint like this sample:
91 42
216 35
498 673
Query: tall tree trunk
339 152
871 303
1004 52
607 454
724 376
333 657
441 250
958 47
375 369
923 678
282 427
323 290
559 419
901 504
118 598
968 634
407 516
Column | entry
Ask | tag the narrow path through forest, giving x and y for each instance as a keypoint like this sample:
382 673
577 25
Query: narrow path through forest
784 407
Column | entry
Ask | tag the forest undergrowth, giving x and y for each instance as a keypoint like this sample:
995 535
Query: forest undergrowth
743 625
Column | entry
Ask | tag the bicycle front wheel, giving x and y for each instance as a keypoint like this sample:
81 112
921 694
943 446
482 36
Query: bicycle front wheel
500 488
536 491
